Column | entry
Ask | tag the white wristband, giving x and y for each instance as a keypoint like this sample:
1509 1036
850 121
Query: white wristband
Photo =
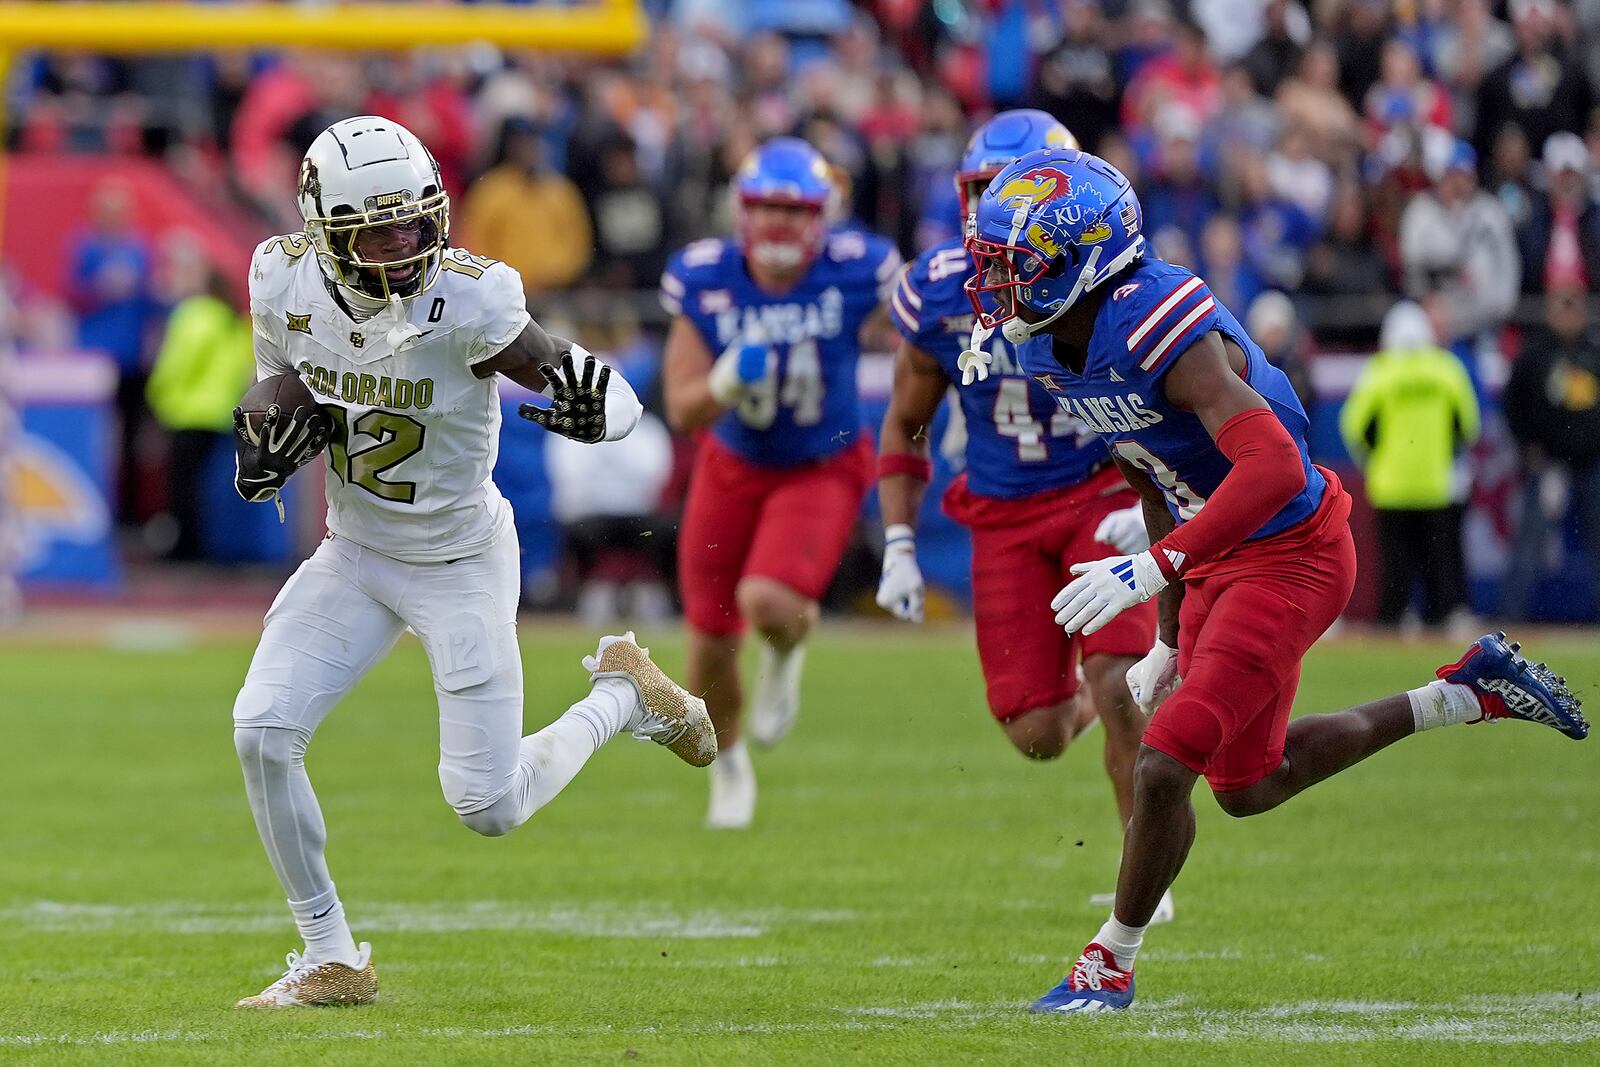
900 537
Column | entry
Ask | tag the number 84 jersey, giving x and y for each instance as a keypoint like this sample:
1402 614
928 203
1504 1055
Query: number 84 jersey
415 431
806 407
1019 443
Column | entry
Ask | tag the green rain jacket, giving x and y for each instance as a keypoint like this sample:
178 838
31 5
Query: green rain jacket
1411 410
206 363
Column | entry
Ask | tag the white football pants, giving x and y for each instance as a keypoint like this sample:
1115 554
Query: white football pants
340 614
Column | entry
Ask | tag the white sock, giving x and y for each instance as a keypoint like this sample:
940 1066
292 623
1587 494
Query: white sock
1123 941
551 758
1443 704
780 669
610 708
322 924
733 762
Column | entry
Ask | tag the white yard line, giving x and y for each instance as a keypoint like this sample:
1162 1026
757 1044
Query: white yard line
1538 1019
588 919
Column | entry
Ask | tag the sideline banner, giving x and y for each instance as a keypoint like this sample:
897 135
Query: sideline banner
58 471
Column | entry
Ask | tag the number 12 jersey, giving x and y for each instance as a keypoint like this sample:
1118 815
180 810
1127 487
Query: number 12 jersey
415 432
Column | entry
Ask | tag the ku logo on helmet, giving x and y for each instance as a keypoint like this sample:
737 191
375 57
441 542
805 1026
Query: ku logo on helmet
1038 186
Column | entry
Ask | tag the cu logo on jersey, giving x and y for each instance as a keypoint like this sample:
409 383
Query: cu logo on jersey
357 340
1124 290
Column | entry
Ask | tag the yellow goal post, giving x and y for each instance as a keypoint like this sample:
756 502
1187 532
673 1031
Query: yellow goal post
598 27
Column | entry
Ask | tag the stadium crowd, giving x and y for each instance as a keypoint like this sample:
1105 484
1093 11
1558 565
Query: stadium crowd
1315 162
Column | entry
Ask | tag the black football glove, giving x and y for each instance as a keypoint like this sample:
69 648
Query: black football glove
577 407
284 445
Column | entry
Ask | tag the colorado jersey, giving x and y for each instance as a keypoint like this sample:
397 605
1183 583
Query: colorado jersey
806 407
415 432
1155 312
1019 442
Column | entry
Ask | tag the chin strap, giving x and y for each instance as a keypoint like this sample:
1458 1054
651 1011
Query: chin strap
1016 331
400 328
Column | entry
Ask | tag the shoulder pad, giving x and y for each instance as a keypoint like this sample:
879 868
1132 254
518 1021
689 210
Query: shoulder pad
1159 313
274 262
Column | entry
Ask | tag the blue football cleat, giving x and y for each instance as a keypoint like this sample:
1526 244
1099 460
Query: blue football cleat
1094 984
1509 687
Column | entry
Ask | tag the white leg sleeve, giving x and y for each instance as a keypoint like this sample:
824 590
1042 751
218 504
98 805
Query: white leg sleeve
322 634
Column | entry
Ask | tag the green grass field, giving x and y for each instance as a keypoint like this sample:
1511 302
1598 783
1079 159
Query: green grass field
911 883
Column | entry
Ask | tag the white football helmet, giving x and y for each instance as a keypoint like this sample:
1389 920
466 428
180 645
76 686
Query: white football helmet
375 209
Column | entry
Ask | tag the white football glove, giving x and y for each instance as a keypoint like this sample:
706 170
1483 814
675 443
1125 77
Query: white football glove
742 364
900 590
1105 589
1124 530
1154 678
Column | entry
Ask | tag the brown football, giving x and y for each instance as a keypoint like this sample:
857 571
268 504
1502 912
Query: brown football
287 391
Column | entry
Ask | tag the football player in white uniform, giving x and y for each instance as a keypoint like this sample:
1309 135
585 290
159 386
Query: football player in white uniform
400 337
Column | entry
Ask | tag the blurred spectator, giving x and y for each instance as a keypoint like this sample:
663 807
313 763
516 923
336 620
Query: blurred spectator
607 498
1346 263
1177 194
1310 102
1077 80
1359 39
1510 180
1300 177
1466 44
1278 52
1232 279
206 362
1277 231
1274 325
110 292
1403 95
1247 122
630 220
1552 404
529 216
1183 78
1459 253
1561 240
1411 412
1539 88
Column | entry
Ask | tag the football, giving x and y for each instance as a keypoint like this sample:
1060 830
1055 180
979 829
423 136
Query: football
287 391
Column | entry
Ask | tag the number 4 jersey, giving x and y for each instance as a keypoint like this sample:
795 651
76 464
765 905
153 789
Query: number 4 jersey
415 432
1019 442
1155 311
806 407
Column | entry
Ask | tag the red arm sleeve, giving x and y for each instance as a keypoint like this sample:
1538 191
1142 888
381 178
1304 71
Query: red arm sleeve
1266 475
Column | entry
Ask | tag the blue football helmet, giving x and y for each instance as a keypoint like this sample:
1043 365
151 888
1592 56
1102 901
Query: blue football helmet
788 172
1049 228
997 143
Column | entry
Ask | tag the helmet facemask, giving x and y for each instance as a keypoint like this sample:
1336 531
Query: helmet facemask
785 242
384 252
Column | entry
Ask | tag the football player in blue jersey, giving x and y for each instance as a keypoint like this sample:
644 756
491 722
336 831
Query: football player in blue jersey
1252 557
1040 493
761 356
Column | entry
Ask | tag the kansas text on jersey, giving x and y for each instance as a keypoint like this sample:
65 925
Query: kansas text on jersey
806 408
1155 312
1019 442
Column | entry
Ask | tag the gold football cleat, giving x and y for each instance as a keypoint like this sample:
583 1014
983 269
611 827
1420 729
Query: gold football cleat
672 717
308 984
